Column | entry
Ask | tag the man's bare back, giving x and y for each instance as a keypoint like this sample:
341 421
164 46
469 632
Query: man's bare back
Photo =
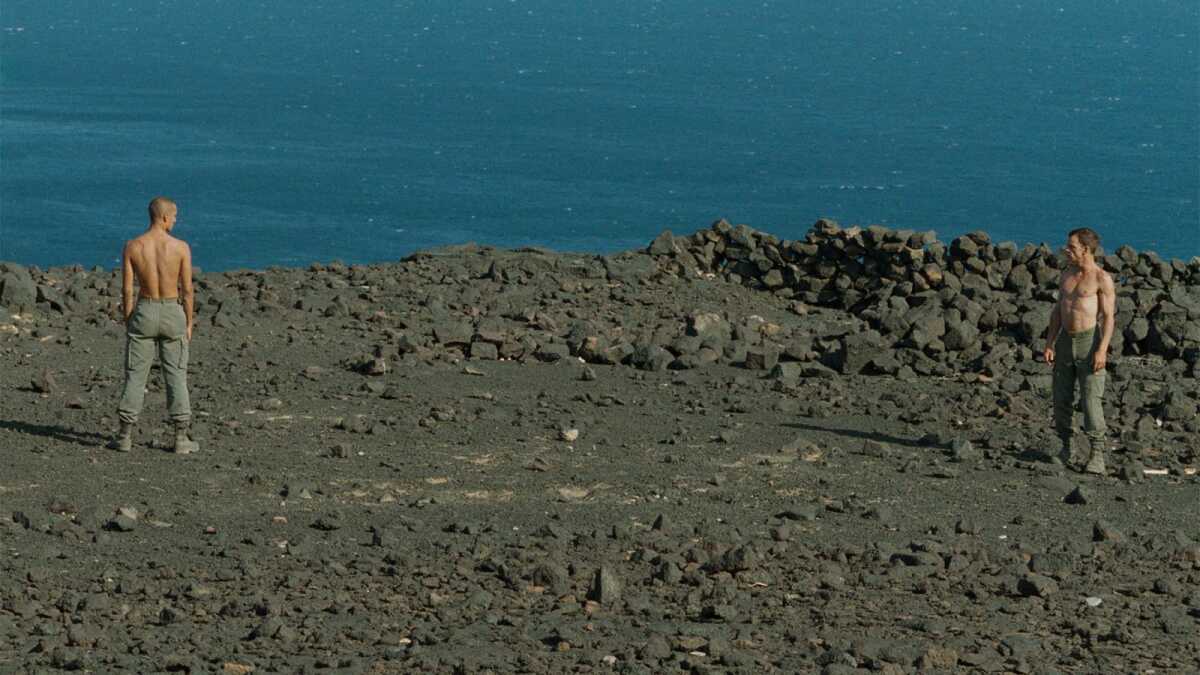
161 265
156 258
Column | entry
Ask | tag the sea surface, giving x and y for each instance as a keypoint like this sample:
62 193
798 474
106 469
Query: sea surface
292 132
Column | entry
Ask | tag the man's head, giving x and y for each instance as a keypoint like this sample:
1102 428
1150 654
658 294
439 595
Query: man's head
163 210
1082 244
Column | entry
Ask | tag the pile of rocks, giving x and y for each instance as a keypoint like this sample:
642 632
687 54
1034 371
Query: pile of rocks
70 290
914 305
973 302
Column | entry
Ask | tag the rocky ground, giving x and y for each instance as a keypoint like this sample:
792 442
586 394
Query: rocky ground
725 453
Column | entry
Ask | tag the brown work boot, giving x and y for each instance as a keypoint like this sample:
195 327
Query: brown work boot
1095 463
184 445
123 441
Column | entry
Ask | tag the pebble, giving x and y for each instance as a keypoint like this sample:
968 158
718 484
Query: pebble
122 523
1078 496
606 586
44 383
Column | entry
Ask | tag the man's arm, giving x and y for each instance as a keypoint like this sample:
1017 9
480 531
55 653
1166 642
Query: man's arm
1052 331
127 282
185 286
1108 319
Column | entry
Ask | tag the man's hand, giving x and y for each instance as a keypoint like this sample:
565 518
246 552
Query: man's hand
1048 354
1099 360
189 331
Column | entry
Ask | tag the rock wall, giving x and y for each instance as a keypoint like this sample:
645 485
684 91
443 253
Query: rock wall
974 301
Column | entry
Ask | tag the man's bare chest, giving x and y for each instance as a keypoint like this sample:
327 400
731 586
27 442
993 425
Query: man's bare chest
1079 287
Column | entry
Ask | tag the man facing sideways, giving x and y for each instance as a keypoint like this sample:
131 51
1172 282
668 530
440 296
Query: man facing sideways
1078 352
157 323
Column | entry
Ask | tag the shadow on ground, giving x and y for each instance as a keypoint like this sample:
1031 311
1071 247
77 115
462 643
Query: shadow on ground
864 435
55 431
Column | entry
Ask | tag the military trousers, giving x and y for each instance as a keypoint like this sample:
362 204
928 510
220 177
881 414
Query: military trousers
156 328
1073 354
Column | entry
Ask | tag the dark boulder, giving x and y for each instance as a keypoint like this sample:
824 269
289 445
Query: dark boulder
856 351
663 244
650 357
629 268
18 292
761 358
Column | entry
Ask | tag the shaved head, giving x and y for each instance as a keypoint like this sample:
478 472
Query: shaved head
160 208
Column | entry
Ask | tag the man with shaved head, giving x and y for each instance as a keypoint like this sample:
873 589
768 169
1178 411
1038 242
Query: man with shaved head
157 323
1081 327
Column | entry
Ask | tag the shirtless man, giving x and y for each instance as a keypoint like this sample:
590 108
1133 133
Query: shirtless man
1078 352
157 323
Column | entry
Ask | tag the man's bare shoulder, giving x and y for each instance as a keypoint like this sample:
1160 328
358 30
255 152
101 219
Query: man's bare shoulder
182 250
1104 280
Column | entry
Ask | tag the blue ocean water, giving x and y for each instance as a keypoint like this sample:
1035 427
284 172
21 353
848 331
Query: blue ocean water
298 131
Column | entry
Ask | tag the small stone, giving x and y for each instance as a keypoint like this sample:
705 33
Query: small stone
270 404
374 367
962 450
879 512
738 559
1103 531
655 649
1133 472
965 526
1036 584
552 576
65 658
606 586
939 659
1077 496
568 435
801 512
1165 586
328 522
761 359
122 523
267 629
44 383
874 448
938 471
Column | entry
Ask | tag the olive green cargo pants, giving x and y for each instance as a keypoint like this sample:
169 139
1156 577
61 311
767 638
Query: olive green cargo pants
1073 355
156 327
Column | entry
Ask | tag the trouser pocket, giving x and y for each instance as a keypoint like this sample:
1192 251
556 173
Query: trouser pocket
173 325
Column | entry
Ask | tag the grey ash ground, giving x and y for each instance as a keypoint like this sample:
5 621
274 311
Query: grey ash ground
725 453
